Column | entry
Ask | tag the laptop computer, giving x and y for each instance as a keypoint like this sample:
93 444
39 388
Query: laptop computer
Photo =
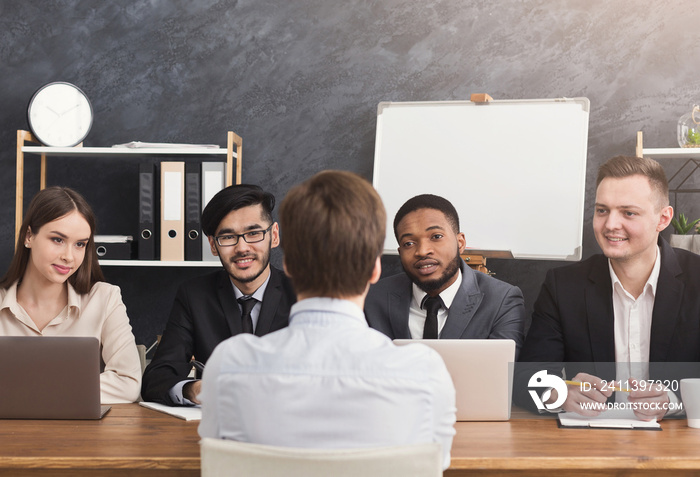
482 373
50 378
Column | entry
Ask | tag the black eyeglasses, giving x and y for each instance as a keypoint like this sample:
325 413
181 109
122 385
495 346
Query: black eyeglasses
229 240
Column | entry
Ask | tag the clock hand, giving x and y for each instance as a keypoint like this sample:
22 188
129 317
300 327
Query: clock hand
52 110
69 110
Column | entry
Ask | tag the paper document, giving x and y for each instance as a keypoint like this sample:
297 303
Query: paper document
113 238
611 419
163 145
188 413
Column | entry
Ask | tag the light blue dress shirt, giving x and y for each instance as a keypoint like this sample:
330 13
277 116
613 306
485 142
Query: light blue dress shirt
327 381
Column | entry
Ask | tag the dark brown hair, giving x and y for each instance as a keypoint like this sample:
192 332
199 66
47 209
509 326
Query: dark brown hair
626 166
427 201
48 205
233 198
333 229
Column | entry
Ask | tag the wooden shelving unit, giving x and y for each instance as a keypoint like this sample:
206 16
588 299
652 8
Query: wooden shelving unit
233 150
684 172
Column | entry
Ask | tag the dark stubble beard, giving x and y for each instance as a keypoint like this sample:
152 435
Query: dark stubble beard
430 286
265 260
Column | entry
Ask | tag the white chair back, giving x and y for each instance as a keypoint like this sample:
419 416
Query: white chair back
239 459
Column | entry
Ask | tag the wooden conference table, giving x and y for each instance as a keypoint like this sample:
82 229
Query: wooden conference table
134 441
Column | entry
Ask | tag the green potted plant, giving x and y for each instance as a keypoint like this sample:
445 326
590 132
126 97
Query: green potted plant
686 235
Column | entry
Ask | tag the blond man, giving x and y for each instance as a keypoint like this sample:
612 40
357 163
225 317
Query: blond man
633 306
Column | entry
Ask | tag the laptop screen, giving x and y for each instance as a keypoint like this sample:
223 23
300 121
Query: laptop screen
50 377
482 373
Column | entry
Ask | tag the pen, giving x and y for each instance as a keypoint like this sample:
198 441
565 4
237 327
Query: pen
576 383
197 365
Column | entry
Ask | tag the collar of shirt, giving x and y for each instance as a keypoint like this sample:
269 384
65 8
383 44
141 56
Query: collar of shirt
416 315
9 301
324 310
649 286
73 299
258 295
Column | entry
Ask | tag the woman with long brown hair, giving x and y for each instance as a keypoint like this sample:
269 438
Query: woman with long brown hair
55 287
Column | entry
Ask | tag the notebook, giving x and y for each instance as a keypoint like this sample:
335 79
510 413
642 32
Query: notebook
610 419
482 373
50 378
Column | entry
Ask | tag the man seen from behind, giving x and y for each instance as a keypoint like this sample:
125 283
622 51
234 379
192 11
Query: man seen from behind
328 380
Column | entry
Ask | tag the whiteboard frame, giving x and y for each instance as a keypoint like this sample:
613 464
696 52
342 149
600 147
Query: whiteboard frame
437 170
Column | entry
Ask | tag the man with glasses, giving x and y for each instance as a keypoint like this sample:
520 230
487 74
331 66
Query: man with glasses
248 296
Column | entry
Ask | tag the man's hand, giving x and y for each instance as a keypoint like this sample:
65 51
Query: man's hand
191 390
597 392
652 400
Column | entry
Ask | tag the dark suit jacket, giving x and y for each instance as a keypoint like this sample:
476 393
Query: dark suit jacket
204 314
483 308
573 318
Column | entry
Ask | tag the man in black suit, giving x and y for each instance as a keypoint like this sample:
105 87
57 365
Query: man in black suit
468 304
248 296
633 307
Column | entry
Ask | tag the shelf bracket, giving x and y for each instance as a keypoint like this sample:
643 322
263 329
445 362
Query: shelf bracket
234 139
22 138
640 144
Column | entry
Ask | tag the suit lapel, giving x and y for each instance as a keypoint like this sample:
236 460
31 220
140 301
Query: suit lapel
270 304
464 305
227 299
399 304
599 312
667 304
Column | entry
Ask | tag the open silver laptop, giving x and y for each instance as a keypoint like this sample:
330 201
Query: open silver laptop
482 372
50 378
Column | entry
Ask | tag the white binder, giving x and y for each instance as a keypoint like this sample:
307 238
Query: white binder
213 180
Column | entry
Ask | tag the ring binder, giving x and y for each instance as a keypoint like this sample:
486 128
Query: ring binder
172 205
213 177
193 210
146 237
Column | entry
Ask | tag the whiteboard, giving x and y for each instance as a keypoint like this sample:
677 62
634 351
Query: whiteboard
515 170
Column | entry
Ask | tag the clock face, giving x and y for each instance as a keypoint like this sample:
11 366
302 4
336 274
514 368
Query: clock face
60 115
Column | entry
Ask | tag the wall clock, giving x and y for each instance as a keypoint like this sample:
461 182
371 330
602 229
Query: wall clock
60 115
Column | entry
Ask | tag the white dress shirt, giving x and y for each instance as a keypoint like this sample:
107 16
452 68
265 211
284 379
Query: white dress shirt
176 391
633 331
416 314
327 381
633 325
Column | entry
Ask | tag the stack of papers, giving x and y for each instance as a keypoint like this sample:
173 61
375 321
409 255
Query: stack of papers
188 413
113 238
163 145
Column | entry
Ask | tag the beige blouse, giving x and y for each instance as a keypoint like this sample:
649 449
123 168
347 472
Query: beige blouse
100 313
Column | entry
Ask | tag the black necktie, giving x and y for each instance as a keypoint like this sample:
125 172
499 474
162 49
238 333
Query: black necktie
247 303
432 304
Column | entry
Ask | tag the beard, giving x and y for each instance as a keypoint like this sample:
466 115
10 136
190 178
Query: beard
435 284
264 260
